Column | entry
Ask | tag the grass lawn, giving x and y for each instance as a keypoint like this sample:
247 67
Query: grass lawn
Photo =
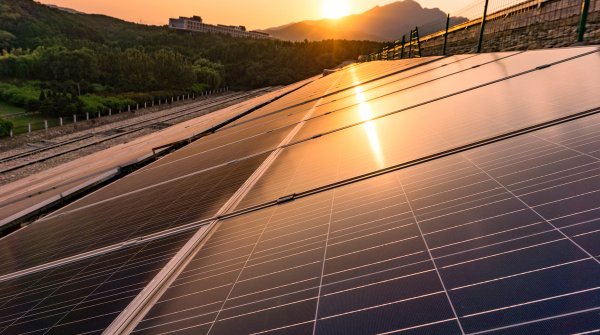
21 121
9 109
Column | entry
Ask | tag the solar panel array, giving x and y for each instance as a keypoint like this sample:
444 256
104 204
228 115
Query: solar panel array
51 184
446 195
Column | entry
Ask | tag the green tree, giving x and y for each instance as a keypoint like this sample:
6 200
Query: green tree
6 38
5 127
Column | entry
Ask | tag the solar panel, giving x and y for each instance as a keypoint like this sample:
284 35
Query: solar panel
142 213
84 296
50 184
463 242
190 163
423 130
484 231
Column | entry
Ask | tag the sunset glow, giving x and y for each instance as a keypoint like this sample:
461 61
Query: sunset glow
333 9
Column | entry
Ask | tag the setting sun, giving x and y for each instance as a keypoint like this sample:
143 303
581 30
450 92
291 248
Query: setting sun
333 9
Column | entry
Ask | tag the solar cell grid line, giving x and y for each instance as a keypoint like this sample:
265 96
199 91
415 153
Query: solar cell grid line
293 117
550 172
94 160
405 64
155 176
412 133
515 241
335 96
176 204
223 138
307 91
278 277
66 184
193 163
220 133
418 90
77 205
84 296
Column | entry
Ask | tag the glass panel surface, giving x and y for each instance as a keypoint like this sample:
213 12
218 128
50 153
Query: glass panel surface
85 296
426 129
502 235
169 205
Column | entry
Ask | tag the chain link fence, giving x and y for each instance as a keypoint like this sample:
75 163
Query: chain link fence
501 25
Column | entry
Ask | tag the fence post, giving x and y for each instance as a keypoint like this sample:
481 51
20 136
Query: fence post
87 116
446 35
29 127
137 106
145 104
483 18
74 118
585 8
98 114
60 119
410 44
402 51
129 108
110 112
11 134
46 125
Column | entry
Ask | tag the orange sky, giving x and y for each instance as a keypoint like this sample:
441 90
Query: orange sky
254 14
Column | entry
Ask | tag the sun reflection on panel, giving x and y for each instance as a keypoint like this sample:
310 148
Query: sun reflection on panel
366 114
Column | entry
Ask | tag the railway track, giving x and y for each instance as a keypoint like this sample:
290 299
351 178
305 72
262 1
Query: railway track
152 120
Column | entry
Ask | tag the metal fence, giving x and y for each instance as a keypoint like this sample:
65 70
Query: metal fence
500 25
50 122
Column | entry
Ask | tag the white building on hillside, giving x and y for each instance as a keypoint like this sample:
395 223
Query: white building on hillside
194 24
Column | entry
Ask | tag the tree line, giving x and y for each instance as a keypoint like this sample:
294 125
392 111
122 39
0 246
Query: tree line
74 56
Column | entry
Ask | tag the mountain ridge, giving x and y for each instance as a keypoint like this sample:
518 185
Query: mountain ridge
380 23
64 9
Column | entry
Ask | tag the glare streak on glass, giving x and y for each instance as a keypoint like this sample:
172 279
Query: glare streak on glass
365 114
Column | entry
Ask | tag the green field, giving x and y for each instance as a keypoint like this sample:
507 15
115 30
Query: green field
21 121
9 109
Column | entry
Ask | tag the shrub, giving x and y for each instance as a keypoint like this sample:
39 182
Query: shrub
95 103
5 127
199 88
18 95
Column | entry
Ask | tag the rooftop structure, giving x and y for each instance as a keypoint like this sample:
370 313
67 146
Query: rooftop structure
194 24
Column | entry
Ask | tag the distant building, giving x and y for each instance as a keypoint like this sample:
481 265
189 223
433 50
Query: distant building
194 24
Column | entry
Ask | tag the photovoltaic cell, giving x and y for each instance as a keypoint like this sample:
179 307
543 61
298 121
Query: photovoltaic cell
307 96
345 82
84 296
153 210
490 234
448 80
29 192
498 239
188 151
192 163
426 129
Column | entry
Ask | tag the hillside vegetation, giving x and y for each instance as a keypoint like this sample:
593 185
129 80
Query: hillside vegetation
62 63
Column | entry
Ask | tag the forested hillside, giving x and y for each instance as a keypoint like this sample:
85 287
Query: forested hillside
84 60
